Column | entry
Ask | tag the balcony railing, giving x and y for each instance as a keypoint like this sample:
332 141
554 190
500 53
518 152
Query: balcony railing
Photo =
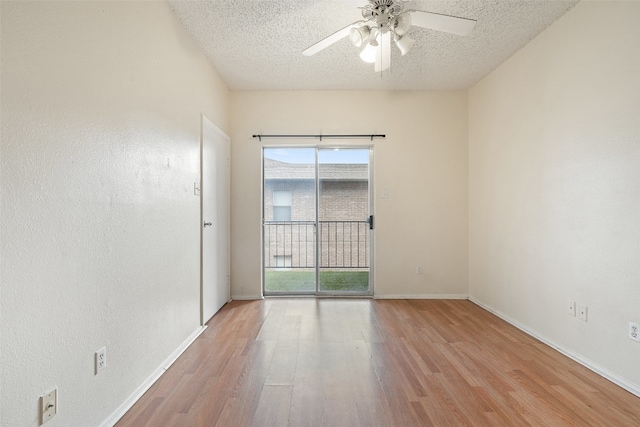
291 244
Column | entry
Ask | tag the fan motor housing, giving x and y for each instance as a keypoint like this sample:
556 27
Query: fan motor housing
381 11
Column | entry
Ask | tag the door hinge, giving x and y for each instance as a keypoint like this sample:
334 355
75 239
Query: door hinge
370 222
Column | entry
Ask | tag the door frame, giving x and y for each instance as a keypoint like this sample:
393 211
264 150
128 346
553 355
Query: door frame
317 292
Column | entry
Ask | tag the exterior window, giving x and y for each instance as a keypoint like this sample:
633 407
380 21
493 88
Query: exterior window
282 205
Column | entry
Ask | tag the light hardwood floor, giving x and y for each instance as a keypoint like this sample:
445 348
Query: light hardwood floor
332 362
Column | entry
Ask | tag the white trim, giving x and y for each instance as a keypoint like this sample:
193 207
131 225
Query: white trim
246 297
421 296
587 363
137 394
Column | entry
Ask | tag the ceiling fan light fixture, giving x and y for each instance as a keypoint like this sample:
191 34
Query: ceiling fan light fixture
368 54
401 24
404 43
359 35
382 18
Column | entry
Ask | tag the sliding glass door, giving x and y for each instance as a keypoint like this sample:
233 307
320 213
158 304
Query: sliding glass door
316 226
289 225
343 211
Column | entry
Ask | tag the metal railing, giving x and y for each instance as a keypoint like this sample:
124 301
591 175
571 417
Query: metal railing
291 244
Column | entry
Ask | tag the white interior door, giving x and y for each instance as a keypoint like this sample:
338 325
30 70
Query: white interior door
215 219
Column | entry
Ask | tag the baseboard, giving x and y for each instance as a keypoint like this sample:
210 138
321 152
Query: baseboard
246 297
137 394
375 296
421 296
603 372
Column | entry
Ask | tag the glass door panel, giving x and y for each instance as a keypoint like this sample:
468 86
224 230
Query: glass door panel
316 235
289 224
343 230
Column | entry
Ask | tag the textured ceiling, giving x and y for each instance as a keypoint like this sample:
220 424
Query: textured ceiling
257 44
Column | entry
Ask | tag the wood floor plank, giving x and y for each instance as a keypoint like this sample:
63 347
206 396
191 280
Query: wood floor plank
375 363
282 369
274 406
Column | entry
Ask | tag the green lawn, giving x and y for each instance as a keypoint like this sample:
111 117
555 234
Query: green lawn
303 281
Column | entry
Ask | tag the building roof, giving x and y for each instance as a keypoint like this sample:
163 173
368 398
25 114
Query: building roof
274 169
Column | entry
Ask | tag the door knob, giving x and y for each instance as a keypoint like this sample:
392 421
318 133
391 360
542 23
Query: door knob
207 224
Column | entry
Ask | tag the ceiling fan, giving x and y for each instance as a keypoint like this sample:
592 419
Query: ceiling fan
384 18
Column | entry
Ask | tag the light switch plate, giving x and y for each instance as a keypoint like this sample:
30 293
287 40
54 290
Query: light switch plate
48 406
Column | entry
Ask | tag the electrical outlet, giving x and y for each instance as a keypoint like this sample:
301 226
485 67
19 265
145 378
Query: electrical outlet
571 308
101 360
48 405
582 312
419 270
634 331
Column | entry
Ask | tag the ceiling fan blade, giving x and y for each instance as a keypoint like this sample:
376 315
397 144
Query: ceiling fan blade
383 53
446 23
328 41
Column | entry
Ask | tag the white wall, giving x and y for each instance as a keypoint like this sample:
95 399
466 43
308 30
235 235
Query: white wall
554 185
422 162
101 105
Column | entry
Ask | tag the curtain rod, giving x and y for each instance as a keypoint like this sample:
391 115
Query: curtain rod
322 136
